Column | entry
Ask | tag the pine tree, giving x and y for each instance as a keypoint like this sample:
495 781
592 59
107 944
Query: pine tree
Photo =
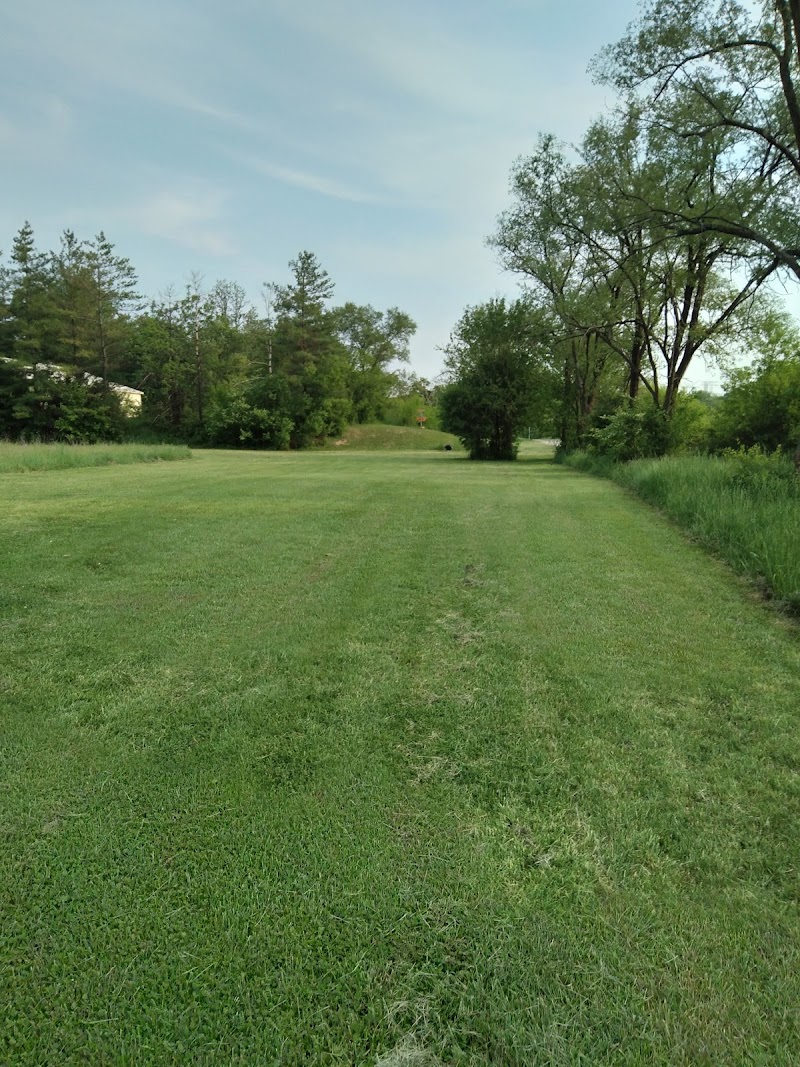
113 295
32 310
309 354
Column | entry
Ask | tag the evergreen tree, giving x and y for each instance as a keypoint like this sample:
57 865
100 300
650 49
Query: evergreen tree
308 353
113 295
32 314
73 288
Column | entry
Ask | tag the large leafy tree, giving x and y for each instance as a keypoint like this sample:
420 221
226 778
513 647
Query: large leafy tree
500 380
539 238
373 340
761 405
590 237
180 353
210 341
686 291
157 355
702 68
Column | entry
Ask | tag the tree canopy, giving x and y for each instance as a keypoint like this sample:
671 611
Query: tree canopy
500 378
211 367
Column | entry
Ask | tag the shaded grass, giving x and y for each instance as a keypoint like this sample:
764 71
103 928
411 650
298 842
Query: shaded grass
356 758
745 508
380 437
16 457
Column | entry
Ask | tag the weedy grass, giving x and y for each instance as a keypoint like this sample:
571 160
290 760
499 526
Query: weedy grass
380 437
745 507
387 759
41 457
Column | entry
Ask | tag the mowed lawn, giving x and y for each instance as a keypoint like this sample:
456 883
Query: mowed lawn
387 759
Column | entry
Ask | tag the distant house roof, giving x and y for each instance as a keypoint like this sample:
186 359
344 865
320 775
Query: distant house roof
92 379
127 390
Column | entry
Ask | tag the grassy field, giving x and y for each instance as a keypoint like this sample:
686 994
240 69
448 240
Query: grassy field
387 759
38 457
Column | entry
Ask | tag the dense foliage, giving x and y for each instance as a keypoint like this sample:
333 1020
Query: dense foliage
655 240
211 368
501 380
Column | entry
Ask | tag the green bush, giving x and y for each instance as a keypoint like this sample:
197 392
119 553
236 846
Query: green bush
691 427
761 472
631 433
761 406
234 422
404 410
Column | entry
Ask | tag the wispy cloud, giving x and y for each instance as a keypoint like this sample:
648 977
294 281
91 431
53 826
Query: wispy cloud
315 183
40 128
122 54
189 217
416 51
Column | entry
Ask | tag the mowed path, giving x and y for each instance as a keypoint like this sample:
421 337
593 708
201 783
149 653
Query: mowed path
397 759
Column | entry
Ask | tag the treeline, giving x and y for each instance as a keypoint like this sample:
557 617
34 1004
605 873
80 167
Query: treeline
211 368
654 241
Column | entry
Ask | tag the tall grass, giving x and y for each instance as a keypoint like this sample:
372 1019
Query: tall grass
744 506
15 457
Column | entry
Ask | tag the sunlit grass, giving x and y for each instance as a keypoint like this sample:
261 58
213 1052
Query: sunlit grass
360 759
536 448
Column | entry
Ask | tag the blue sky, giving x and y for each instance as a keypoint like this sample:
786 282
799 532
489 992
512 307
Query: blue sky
225 138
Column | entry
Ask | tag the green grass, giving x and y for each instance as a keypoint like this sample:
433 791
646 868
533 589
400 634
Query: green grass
745 508
537 448
381 759
40 457
380 437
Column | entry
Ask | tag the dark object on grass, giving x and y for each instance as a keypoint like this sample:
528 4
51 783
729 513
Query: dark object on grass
448 448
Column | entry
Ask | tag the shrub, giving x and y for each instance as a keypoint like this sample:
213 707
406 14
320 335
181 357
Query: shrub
692 424
234 422
761 406
631 434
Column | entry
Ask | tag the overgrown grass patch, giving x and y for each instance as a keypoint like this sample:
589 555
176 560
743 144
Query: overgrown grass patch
41 457
341 759
745 508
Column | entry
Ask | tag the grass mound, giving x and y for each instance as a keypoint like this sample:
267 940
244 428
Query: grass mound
16 457
378 437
